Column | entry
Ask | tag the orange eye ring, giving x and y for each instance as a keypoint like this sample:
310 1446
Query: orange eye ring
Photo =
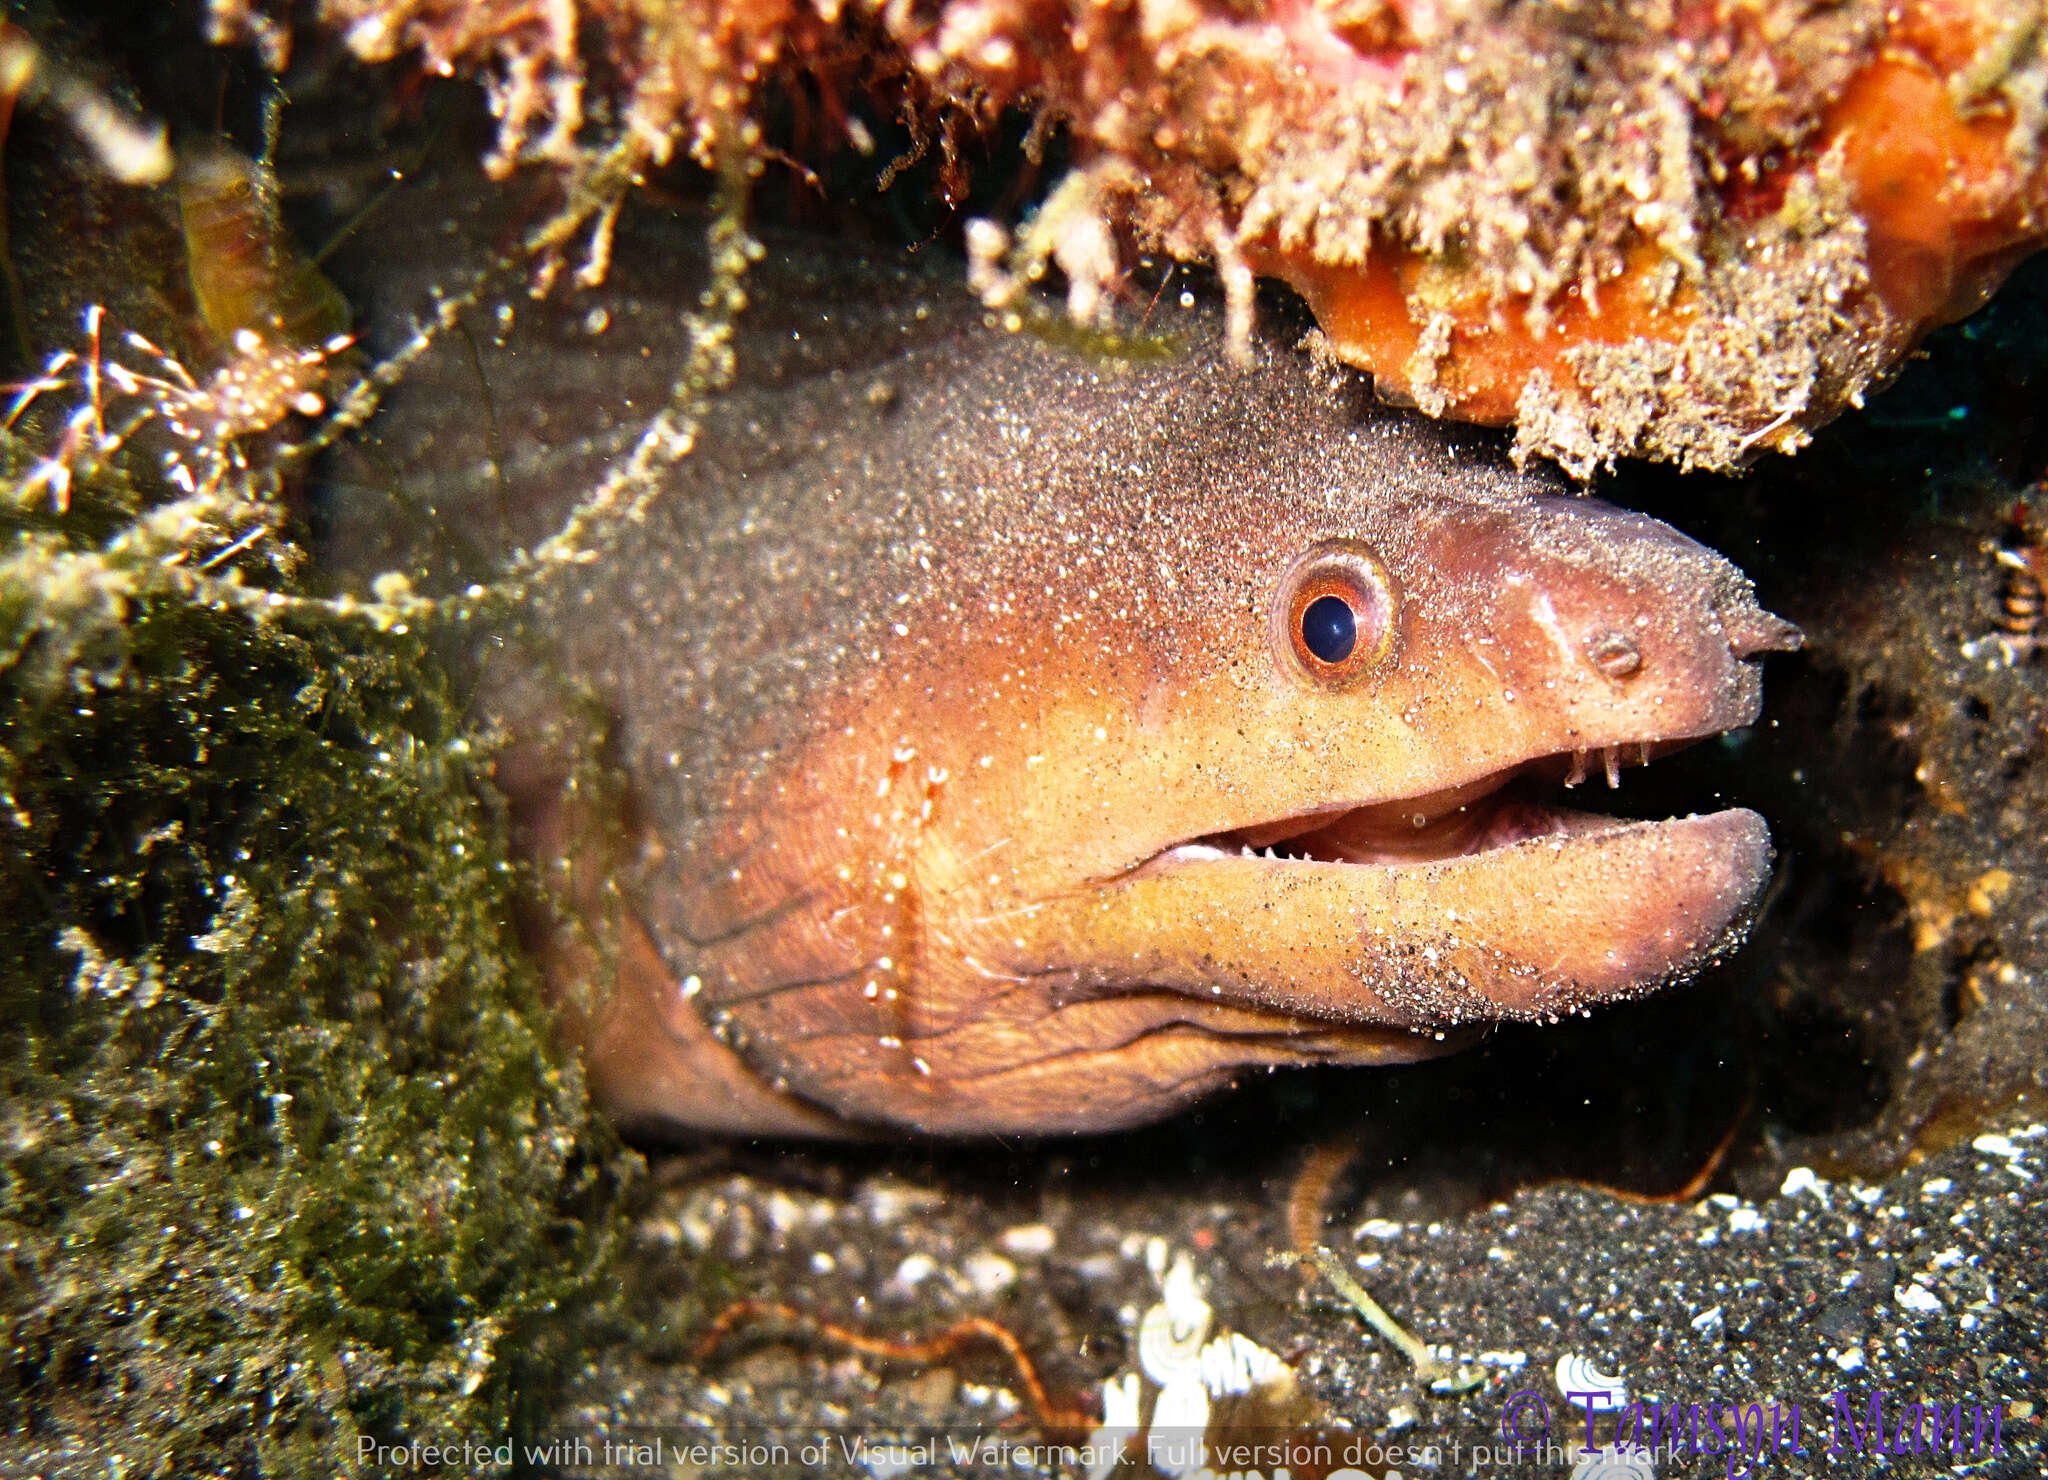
1336 614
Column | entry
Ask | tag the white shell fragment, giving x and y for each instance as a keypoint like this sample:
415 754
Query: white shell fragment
1802 1179
1189 1371
1918 1299
1171 1335
1180 1420
1028 1240
1614 1462
1236 1364
1120 1421
1583 1385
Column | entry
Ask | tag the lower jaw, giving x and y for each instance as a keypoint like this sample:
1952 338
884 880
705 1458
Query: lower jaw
1593 908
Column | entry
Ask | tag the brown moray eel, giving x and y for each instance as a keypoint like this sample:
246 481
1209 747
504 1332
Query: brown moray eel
1014 740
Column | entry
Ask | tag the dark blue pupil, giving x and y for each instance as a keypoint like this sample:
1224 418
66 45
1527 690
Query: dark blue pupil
1329 629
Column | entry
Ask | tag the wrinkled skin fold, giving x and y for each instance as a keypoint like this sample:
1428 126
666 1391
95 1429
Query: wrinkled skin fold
967 780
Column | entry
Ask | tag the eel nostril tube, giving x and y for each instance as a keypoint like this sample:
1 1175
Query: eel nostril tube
1752 630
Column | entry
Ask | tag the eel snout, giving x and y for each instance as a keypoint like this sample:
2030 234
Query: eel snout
1613 630
1553 644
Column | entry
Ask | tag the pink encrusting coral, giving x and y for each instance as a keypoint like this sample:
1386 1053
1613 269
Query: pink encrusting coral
1687 229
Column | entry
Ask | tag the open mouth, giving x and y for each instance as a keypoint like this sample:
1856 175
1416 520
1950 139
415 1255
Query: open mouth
1476 902
1499 810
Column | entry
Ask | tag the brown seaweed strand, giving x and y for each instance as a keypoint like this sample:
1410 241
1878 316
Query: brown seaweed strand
962 1332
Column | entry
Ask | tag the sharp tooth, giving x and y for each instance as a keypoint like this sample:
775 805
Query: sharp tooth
1246 849
1642 752
1578 771
1613 758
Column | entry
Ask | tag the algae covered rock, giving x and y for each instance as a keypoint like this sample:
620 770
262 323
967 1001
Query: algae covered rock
288 1160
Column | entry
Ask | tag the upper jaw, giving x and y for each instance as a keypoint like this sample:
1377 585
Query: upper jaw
1711 689
1493 810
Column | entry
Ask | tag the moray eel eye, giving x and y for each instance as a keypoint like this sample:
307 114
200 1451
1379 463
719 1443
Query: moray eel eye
1329 630
1335 616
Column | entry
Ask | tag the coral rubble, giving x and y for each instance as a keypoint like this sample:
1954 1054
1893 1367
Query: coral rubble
1685 231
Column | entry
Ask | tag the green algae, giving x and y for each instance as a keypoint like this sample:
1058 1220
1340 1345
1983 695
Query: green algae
288 1158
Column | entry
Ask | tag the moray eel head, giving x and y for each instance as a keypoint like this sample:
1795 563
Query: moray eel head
1390 851
1089 852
